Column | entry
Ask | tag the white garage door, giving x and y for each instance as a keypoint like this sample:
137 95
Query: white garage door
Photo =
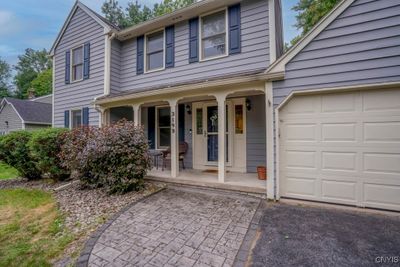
342 148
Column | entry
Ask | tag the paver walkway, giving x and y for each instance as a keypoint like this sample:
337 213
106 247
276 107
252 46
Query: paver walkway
177 227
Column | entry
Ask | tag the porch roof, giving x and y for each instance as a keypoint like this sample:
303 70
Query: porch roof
212 81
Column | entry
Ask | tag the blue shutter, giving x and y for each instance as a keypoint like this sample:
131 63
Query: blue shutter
140 55
67 66
181 122
66 119
170 46
86 60
234 29
193 40
85 116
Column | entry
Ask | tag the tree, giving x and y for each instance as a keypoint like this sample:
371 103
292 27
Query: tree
309 13
43 83
29 66
5 75
135 13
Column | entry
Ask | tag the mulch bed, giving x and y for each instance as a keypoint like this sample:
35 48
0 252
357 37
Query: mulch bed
84 209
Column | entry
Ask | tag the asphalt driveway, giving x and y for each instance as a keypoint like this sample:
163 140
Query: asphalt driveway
301 235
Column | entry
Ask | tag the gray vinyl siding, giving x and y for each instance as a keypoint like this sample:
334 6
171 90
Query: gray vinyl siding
9 114
256 133
362 46
115 66
254 55
82 28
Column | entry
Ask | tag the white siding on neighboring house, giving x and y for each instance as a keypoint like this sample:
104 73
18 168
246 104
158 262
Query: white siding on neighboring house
8 114
81 29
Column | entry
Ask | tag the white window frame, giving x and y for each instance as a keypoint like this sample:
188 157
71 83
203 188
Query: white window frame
145 51
158 128
71 60
201 57
71 117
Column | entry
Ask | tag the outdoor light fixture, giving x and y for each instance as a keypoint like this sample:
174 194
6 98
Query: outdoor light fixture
6 123
248 104
188 109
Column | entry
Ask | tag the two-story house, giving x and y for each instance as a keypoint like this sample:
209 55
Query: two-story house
209 79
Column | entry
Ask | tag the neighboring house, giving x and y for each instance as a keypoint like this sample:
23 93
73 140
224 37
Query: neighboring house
18 114
324 118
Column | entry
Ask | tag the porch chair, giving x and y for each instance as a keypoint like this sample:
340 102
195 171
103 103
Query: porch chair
166 155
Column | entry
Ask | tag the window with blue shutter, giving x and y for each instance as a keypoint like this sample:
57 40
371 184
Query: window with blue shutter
67 66
66 119
234 29
193 40
170 46
85 116
86 61
140 55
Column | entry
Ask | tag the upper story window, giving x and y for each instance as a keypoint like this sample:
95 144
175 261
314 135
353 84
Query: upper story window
77 64
155 51
213 35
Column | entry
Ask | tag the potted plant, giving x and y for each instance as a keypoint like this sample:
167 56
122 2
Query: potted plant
262 172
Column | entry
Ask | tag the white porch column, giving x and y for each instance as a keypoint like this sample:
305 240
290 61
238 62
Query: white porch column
269 109
173 103
136 114
221 137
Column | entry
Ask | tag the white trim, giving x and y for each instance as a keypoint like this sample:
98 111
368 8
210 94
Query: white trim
272 30
269 116
279 65
107 64
277 157
71 65
201 58
77 4
38 123
40 97
145 70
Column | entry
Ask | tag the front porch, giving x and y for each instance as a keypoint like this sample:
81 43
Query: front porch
223 130
244 182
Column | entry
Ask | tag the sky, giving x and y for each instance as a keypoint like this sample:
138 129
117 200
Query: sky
36 23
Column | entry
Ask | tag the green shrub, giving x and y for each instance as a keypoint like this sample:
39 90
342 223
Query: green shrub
45 145
15 152
114 157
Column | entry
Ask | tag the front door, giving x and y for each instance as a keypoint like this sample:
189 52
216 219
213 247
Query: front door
206 134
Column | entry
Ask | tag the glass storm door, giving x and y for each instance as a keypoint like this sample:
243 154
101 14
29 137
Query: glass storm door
211 133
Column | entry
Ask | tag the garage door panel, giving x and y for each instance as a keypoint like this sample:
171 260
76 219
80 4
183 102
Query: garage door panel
338 132
339 161
339 190
385 196
338 103
383 163
342 148
382 132
381 100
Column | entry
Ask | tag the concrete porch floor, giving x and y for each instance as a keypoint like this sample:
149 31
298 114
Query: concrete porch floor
243 182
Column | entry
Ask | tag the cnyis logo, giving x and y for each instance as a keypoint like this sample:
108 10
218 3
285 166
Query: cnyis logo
387 259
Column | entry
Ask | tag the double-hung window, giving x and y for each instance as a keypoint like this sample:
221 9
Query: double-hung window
163 127
77 64
155 51
76 118
213 35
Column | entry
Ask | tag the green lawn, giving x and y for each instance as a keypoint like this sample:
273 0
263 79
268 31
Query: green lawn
31 228
7 172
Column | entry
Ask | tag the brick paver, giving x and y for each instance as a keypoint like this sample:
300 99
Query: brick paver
177 227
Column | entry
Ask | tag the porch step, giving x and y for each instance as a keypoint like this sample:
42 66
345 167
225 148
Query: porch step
248 190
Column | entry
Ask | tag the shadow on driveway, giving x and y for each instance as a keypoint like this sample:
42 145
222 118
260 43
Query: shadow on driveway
299 235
